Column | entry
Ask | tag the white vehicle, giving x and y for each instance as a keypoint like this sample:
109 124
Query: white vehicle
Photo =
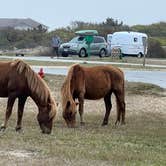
130 43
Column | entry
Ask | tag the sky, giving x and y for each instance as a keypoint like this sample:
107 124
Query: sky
60 13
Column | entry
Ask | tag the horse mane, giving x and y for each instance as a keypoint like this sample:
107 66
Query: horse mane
66 87
35 83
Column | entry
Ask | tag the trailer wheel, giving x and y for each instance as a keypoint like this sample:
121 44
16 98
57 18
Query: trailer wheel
139 55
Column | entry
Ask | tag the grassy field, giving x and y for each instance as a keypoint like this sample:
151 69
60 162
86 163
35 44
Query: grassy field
142 141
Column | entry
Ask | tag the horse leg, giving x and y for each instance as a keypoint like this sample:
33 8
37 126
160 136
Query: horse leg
21 103
81 107
108 106
120 107
10 103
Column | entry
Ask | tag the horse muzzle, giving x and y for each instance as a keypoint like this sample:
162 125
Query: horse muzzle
71 123
70 119
45 130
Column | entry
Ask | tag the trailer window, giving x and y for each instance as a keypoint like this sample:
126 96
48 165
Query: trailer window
135 39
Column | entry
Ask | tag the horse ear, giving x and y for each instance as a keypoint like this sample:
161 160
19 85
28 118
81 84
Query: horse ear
68 104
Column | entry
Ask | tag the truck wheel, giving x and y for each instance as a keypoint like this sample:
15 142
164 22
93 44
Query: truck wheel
82 53
102 53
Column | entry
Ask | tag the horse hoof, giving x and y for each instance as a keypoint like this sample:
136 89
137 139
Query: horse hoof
104 123
2 128
117 122
82 123
123 123
18 129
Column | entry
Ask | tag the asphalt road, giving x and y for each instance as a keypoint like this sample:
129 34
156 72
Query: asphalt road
154 77
61 59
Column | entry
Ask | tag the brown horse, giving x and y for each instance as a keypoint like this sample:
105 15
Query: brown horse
92 83
18 80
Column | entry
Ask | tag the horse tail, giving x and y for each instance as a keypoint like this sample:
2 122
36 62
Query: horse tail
120 100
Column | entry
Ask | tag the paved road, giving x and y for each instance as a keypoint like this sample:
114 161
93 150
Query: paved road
154 77
61 59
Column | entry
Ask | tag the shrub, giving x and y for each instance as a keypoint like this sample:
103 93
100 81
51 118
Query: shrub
155 50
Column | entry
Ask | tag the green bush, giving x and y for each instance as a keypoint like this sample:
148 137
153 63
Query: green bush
155 50
162 40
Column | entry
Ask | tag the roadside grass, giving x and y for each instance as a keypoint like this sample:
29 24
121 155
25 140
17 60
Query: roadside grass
139 88
142 141
41 63
85 63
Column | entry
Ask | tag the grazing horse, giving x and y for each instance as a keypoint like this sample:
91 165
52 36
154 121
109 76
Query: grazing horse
18 80
92 83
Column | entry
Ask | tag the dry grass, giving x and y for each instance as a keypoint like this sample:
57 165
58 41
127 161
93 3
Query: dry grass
106 59
142 141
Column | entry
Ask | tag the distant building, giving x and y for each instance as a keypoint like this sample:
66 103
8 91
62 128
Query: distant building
20 24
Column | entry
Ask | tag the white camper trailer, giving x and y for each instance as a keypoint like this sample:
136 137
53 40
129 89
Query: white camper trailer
130 43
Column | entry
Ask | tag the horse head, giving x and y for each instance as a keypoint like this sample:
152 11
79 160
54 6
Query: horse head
69 113
46 116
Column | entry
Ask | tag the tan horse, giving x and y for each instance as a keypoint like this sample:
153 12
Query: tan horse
92 83
18 80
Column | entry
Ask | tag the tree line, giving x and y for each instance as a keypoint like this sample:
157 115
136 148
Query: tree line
10 38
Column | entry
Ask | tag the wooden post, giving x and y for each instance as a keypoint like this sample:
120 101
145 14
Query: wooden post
144 60
144 39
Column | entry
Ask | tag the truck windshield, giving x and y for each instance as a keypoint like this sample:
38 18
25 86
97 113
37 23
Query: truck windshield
77 39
